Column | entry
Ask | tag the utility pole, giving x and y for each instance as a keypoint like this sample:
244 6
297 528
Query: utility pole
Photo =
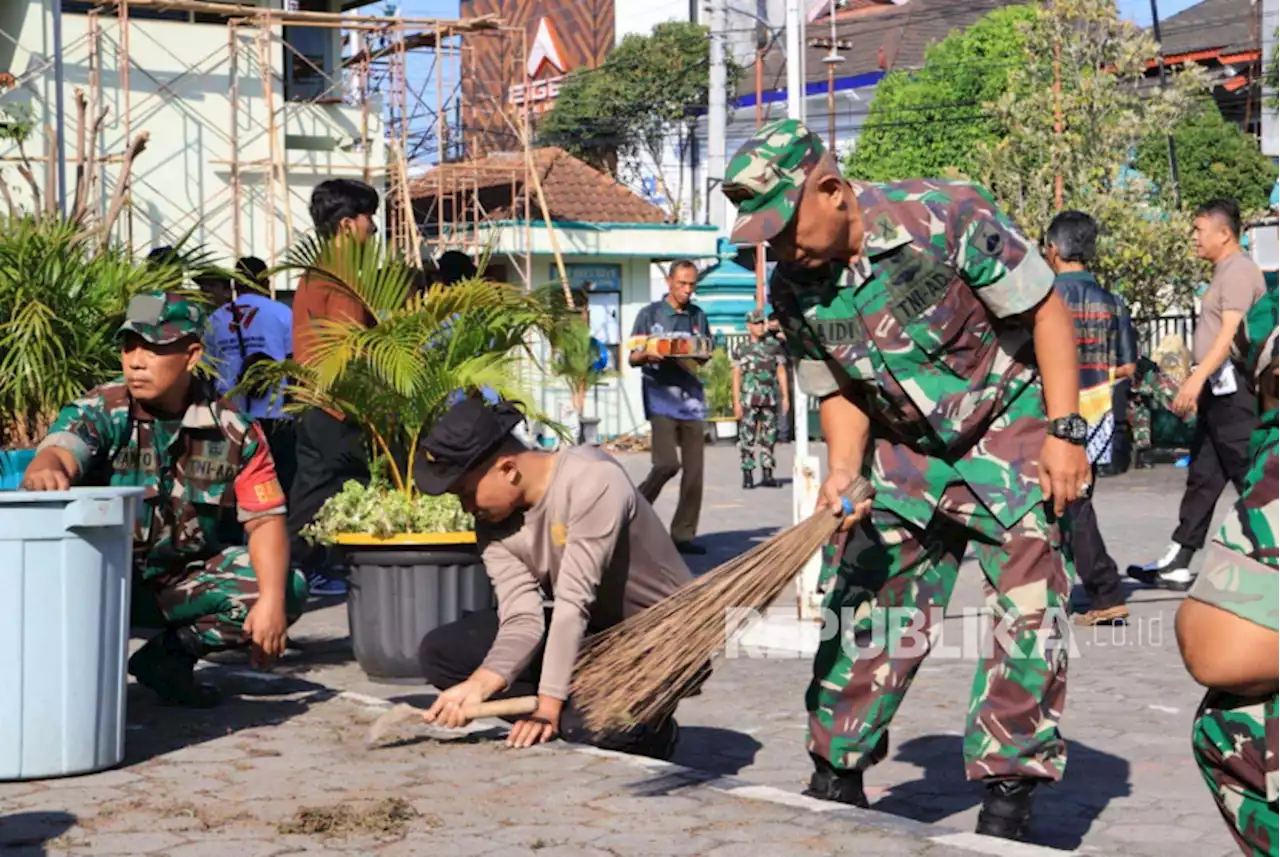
717 115
1173 149
59 84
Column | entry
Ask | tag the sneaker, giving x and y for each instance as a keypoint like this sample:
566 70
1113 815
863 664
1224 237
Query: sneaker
827 783
1117 615
323 586
1168 572
1006 809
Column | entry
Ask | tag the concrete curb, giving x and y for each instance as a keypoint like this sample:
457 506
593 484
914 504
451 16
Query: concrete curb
680 775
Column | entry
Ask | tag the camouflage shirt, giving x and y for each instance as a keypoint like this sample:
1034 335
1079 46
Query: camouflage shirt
759 362
205 474
925 326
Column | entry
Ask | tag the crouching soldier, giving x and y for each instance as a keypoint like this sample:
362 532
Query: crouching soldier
1227 627
209 481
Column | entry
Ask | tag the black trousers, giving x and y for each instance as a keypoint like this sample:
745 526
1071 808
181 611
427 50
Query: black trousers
689 437
329 452
1219 452
449 655
1096 569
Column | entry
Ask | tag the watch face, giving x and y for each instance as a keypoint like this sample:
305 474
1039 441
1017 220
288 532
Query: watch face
1072 428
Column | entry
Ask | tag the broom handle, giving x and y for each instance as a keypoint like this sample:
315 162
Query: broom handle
502 708
860 490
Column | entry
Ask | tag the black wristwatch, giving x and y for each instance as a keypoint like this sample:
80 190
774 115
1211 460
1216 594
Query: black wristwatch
1071 428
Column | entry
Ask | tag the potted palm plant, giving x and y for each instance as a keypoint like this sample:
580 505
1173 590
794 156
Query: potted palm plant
577 360
412 559
63 295
717 381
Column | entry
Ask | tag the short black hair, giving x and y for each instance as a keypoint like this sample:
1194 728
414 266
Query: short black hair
252 269
1074 235
681 263
336 200
454 266
1225 209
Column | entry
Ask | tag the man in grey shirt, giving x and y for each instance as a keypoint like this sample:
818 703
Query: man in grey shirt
1216 391
566 526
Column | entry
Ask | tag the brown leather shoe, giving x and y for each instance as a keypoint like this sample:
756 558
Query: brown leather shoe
1118 615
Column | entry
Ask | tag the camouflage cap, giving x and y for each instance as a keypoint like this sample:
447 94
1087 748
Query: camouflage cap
766 175
755 316
163 317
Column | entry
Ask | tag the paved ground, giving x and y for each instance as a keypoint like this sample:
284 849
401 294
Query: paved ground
281 767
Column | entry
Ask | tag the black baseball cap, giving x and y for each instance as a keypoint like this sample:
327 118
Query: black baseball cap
463 438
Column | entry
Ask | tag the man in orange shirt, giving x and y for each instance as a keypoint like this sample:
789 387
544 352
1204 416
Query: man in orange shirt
329 450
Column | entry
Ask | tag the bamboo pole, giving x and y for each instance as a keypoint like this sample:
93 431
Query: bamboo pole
95 82
124 62
307 18
364 107
82 130
264 64
233 97
439 64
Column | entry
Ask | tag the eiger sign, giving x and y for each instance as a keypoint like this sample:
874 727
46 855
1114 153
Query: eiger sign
546 52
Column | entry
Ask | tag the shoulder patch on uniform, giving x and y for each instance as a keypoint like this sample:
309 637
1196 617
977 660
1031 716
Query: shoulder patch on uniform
987 239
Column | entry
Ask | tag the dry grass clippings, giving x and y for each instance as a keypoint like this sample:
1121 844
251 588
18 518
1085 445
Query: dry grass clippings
387 816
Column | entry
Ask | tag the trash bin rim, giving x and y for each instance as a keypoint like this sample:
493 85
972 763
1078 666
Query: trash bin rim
84 492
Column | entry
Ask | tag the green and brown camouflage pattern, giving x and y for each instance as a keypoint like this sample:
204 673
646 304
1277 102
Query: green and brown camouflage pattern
213 597
1018 693
1152 390
925 327
765 177
761 396
163 317
204 476
1236 740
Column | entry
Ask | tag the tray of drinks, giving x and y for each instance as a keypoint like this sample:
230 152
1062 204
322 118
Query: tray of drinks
679 345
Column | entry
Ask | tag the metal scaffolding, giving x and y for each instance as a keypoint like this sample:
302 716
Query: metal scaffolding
257 53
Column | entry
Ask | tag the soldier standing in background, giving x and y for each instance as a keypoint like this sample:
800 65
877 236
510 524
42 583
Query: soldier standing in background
1227 627
927 326
760 396
210 480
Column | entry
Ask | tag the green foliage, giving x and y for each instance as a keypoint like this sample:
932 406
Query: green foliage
573 358
1272 82
1215 159
378 510
645 92
1105 111
398 376
62 298
929 122
717 382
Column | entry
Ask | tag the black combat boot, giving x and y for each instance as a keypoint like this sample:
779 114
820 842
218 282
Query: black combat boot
766 478
1006 810
166 665
1142 460
748 479
827 783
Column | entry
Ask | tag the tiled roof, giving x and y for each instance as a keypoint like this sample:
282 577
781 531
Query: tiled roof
1222 25
881 36
573 189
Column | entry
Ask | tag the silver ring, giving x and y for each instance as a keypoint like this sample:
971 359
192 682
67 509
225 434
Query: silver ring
1085 488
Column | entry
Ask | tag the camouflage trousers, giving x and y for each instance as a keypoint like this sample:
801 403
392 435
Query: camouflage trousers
892 585
757 428
1151 390
213 597
1235 744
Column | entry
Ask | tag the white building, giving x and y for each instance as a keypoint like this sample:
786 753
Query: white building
196 87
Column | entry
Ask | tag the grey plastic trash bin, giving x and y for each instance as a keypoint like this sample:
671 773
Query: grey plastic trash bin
64 629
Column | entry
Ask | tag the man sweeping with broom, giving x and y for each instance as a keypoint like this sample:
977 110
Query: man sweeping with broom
569 526
928 327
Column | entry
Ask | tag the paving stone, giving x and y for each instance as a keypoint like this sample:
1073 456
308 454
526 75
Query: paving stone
767 849
415 845
220 848
131 843
656 843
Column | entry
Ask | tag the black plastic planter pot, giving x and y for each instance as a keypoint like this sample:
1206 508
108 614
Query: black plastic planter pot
399 591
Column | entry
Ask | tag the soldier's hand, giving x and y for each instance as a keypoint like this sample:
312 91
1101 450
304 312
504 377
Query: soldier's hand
267 628
831 496
50 477
1065 475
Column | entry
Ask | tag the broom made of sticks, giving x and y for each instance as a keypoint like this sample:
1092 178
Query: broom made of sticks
639 669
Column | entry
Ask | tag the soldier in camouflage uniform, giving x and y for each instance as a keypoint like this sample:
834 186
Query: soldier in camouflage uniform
1227 629
760 395
1152 390
917 314
209 481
